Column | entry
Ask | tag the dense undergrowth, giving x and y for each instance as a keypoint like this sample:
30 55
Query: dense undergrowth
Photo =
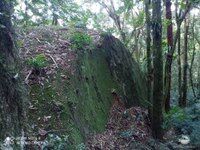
185 121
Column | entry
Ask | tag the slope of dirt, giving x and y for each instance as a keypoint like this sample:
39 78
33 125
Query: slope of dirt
71 95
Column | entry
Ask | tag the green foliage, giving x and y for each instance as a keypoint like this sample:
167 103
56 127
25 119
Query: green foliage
57 142
174 117
81 40
37 12
191 125
128 5
185 122
140 19
182 5
195 134
166 23
38 62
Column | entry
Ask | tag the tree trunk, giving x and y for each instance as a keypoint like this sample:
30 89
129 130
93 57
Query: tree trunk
10 95
158 71
180 16
26 13
169 59
179 67
148 51
55 15
198 81
185 67
172 46
192 60
55 19
136 48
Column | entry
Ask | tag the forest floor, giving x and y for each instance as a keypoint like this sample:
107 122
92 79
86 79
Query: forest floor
124 126
129 129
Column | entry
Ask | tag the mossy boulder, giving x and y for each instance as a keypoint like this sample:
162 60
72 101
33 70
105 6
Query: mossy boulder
72 96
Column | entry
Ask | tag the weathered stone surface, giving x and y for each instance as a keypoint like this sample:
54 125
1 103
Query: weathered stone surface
77 94
125 71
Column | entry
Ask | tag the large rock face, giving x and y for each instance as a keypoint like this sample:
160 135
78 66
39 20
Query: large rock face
125 71
71 95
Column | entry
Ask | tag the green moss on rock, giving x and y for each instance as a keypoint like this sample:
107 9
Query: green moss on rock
79 104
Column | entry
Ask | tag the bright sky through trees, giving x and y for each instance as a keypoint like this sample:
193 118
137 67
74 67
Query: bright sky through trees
93 7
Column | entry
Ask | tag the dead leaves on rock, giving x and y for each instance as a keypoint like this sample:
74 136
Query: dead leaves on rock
54 44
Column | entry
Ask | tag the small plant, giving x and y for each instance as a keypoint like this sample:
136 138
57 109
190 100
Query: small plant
38 62
175 116
80 40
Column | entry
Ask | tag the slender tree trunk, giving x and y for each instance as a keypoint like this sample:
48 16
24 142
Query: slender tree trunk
158 71
192 60
55 16
198 73
117 21
148 51
169 59
55 19
11 113
179 19
172 46
198 81
178 38
113 15
136 48
26 12
191 70
185 67
179 67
